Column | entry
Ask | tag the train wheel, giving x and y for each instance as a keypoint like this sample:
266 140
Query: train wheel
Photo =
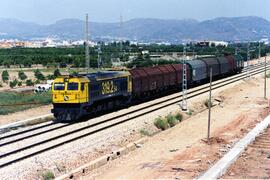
60 116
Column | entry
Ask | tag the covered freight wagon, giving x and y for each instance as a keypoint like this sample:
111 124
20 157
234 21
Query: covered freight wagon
232 63
225 66
198 70
179 73
214 64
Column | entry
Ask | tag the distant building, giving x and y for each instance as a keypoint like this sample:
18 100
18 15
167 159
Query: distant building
5 45
212 43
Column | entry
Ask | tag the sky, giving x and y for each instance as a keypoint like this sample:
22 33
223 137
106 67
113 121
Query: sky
49 11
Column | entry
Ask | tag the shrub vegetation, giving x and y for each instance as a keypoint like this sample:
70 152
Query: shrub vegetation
172 121
161 123
48 175
11 102
29 82
5 76
39 75
22 75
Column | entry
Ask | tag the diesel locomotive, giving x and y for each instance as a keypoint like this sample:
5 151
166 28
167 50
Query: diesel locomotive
76 96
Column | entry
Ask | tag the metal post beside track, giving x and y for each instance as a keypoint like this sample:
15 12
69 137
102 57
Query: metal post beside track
209 107
248 58
265 76
87 56
99 57
184 84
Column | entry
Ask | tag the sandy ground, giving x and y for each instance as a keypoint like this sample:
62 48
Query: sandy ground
181 152
254 163
23 115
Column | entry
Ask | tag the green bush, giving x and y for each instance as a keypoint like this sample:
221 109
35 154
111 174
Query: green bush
74 73
161 123
29 82
172 121
51 77
20 83
22 75
37 81
179 117
39 75
48 175
13 83
144 132
189 112
5 76
56 73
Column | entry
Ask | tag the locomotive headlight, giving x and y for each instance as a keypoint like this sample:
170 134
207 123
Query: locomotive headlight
66 98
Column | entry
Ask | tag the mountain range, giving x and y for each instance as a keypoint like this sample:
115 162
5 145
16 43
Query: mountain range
143 30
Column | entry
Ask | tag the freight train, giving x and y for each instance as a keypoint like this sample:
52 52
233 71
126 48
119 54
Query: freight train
76 96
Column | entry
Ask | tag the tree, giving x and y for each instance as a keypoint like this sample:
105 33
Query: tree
5 76
56 73
39 75
74 73
29 82
51 77
13 83
22 75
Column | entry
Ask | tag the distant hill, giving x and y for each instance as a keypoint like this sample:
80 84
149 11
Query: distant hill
145 30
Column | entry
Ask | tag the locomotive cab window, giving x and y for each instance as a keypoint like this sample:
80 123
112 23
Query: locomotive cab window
73 86
59 86
82 87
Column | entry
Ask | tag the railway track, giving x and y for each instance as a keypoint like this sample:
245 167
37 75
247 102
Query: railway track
54 125
13 149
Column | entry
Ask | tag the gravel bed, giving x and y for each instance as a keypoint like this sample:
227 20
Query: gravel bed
76 153
21 129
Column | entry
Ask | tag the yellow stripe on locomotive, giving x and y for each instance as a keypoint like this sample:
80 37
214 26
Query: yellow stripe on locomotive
70 90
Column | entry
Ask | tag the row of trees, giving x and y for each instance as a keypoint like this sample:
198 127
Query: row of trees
61 57
22 78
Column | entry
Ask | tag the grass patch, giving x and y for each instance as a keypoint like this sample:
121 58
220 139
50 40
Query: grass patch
189 112
48 175
144 132
179 117
161 123
11 102
169 121
172 121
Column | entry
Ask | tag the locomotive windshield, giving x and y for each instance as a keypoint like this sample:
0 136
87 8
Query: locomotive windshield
73 86
59 86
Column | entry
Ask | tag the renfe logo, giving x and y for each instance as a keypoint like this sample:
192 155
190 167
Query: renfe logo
109 87
66 98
